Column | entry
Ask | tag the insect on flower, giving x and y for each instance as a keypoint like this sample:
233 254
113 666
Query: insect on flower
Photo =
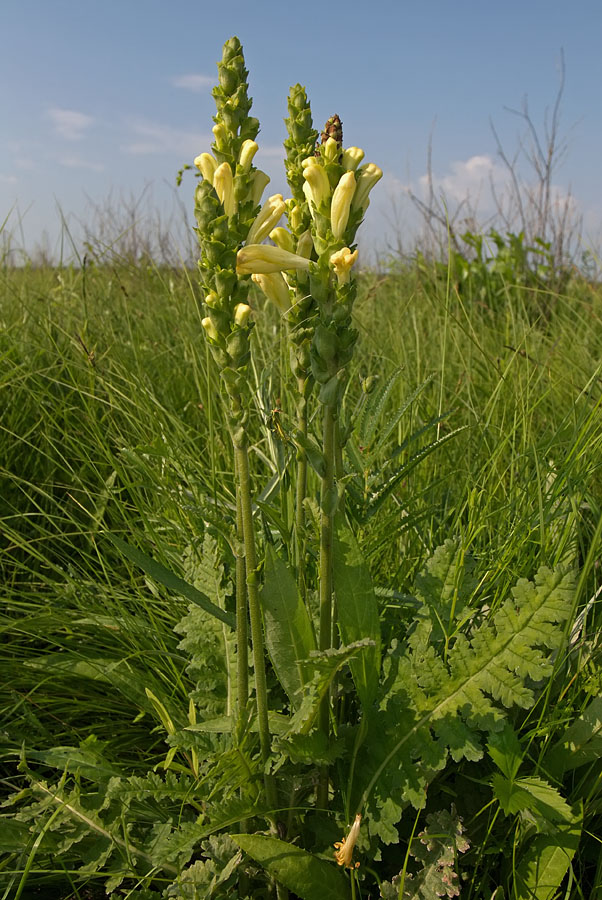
344 849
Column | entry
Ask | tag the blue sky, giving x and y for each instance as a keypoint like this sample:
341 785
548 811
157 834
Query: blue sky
102 99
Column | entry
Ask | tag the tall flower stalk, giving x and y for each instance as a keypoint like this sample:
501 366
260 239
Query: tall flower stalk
318 260
227 202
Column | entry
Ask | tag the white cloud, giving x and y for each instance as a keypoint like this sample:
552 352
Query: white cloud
68 123
467 178
75 162
154 137
194 81
8 179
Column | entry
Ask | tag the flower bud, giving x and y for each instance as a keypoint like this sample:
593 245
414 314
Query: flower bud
295 217
367 177
206 164
224 188
220 134
210 329
283 239
262 259
341 204
342 262
331 150
351 158
275 288
319 185
242 311
309 161
305 245
212 300
259 183
268 216
247 152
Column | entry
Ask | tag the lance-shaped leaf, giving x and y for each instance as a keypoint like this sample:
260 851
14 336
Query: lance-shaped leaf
309 877
289 635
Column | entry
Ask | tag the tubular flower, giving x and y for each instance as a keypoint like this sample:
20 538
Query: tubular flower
210 329
224 188
367 177
220 134
319 186
341 204
268 216
260 182
206 164
344 849
247 152
342 262
261 259
283 239
305 245
351 158
331 150
275 288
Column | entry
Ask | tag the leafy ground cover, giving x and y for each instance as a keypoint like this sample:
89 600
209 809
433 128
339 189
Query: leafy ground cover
477 429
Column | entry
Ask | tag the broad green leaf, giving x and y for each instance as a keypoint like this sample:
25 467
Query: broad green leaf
289 635
581 743
172 582
531 793
357 611
504 749
546 860
309 877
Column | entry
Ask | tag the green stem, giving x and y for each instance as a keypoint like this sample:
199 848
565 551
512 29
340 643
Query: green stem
328 507
242 614
261 692
301 490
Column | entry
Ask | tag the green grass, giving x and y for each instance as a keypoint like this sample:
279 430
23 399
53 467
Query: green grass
110 419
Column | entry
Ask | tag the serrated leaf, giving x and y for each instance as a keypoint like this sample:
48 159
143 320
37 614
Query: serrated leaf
505 750
357 611
309 877
289 634
373 407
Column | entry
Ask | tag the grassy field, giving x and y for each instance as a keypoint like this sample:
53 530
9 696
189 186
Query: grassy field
111 423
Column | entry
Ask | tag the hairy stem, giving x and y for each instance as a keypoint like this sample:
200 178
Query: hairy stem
301 490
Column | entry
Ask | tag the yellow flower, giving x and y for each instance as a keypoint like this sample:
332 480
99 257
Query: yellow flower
275 288
223 183
367 177
330 150
342 262
247 152
206 164
344 849
261 259
283 239
220 134
268 216
210 329
242 311
341 204
319 185
259 183
351 158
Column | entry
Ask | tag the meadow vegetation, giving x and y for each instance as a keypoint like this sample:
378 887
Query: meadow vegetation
463 685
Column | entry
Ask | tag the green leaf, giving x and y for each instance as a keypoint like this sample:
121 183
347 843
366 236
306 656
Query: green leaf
504 749
310 448
309 877
546 861
581 743
172 582
357 611
289 635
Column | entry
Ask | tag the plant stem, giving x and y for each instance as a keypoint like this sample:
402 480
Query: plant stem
242 625
261 693
328 507
301 490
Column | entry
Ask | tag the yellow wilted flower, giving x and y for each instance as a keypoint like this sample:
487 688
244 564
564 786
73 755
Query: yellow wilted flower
344 849
262 259
342 262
